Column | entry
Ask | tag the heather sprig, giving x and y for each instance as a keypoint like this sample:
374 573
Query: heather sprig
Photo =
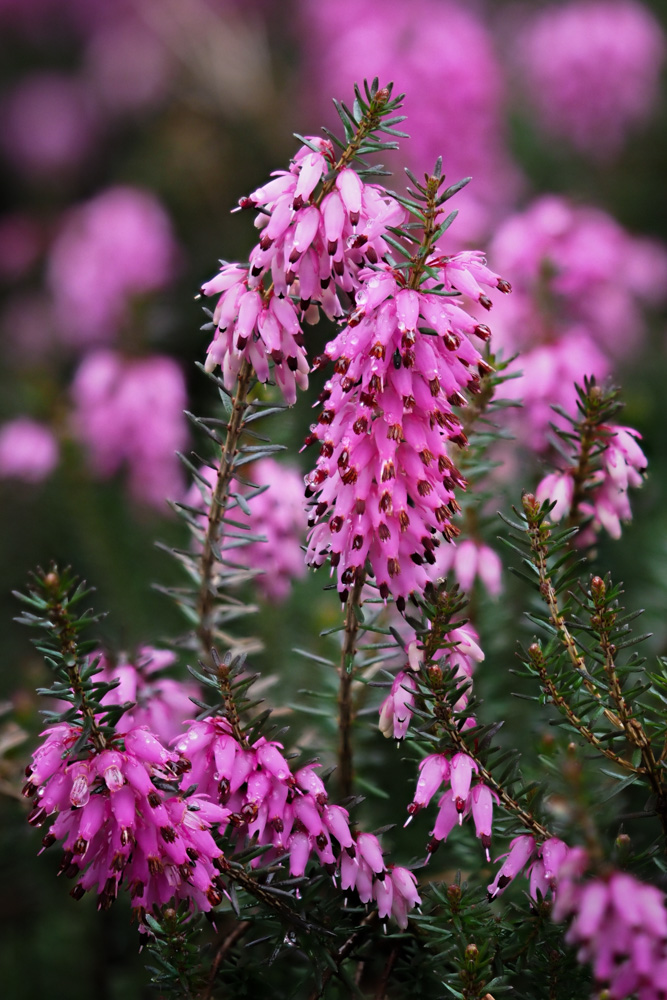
582 667
51 602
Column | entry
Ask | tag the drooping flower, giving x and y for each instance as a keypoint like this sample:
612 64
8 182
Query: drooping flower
161 704
291 813
469 560
396 709
384 484
118 827
606 501
314 240
618 924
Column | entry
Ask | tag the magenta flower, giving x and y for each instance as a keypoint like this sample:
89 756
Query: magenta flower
161 703
384 484
118 827
28 450
521 851
592 70
310 246
130 412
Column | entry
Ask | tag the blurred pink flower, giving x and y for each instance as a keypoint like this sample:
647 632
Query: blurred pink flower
574 268
47 124
592 70
469 560
607 503
118 245
128 66
28 450
130 411
278 514
618 924
580 285
440 53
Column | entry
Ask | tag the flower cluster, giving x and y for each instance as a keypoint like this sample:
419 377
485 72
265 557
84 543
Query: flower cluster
607 502
442 51
158 703
569 315
290 812
276 513
592 69
314 239
619 925
131 412
547 857
384 482
118 826
461 799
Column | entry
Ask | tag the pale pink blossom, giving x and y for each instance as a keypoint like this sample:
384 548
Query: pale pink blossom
618 925
129 412
591 69
28 450
110 250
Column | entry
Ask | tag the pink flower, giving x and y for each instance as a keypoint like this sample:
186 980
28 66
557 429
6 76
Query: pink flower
115 247
312 244
395 711
162 704
618 924
558 488
565 261
521 850
384 484
277 513
440 51
130 412
607 502
467 560
28 450
592 70
119 827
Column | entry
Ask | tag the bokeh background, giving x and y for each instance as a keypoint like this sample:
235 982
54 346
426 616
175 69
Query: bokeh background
128 130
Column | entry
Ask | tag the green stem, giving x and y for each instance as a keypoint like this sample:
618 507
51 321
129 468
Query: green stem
67 637
345 706
206 600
